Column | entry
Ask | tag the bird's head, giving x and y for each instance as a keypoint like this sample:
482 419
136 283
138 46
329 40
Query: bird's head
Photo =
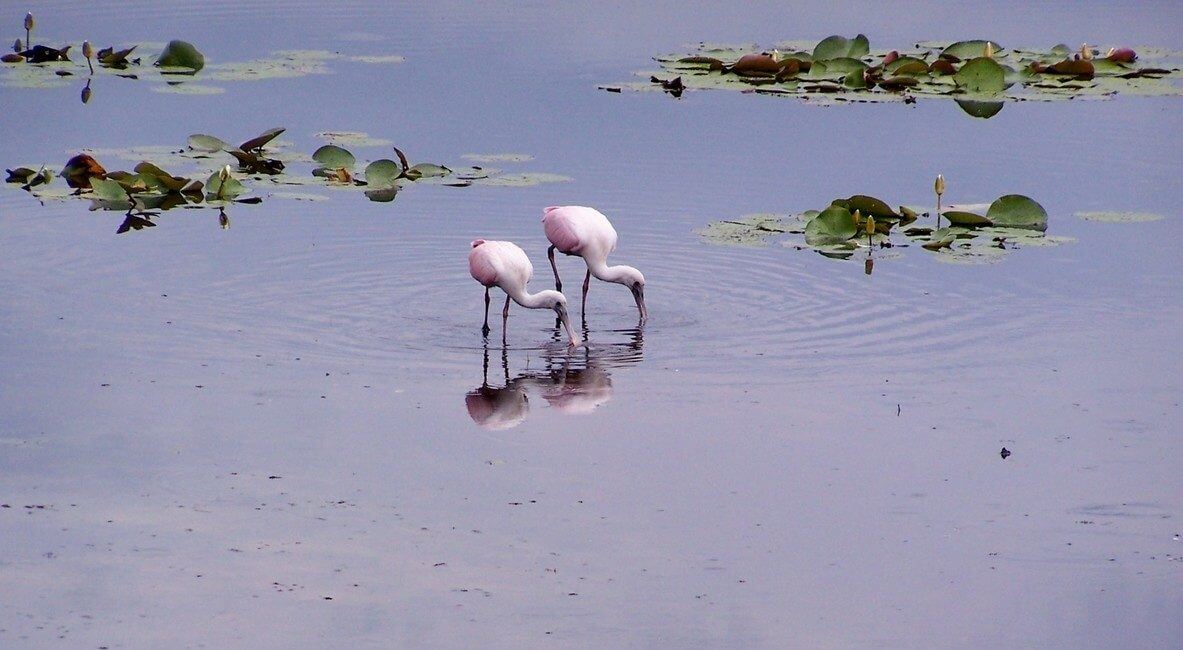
558 302
635 281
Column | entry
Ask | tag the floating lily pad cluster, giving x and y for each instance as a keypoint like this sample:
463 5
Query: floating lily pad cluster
980 74
975 234
213 173
176 67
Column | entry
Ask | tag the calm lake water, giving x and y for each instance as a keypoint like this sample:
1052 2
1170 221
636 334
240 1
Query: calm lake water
272 436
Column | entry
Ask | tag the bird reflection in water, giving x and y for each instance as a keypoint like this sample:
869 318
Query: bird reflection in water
573 382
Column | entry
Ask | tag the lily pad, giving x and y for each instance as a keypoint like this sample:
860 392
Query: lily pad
181 54
833 225
835 47
426 170
749 230
206 143
1119 217
218 190
352 139
497 157
982 75
261 140
331 156
382 173
966 50
1017 211
965 218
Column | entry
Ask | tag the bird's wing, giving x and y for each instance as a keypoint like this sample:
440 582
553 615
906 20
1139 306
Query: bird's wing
482 263
561 224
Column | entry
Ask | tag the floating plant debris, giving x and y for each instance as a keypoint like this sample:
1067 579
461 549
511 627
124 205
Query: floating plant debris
174 67
976 233
210 172
980 75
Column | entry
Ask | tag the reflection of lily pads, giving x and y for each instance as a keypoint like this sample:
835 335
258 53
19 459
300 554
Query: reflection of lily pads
1119 217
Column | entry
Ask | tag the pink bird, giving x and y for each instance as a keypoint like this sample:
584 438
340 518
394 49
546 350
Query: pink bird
503 264
577 230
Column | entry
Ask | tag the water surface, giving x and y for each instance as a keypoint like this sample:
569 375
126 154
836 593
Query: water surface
269 435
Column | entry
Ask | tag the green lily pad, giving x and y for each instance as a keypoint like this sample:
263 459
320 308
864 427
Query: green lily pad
108 190
1119 217
833 225
1017 211
522 180
982 76
426 170
749 230
206 143
867 205
217 190
835 47
966 50
331 156
382 173
180 54
965 218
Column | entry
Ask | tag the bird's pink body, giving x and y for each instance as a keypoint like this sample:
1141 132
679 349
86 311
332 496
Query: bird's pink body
586 232
499 264
503 264
579 230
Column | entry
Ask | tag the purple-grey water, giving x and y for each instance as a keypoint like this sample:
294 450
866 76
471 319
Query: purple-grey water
269 435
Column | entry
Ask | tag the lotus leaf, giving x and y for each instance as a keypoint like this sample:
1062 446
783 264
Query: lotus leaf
330 156
180 54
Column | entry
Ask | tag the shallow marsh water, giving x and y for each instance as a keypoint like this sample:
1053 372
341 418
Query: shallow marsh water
265 435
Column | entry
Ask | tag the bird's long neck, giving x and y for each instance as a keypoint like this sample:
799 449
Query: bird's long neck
602 271
525 298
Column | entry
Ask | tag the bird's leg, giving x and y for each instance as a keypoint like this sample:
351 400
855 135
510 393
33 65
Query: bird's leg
504 319
550 253
485 327
583 305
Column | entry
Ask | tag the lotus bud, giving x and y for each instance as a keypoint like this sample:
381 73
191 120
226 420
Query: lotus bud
86 93
775 54
939 185
88 52
224 174
989 50
1086 52
18 46
870 225
29 22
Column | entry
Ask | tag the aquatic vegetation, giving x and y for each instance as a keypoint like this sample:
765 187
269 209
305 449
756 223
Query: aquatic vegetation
174 67
1119 217
211 173
975 234
980 75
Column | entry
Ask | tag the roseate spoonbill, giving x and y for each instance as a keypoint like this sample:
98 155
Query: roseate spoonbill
503 264
582 231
